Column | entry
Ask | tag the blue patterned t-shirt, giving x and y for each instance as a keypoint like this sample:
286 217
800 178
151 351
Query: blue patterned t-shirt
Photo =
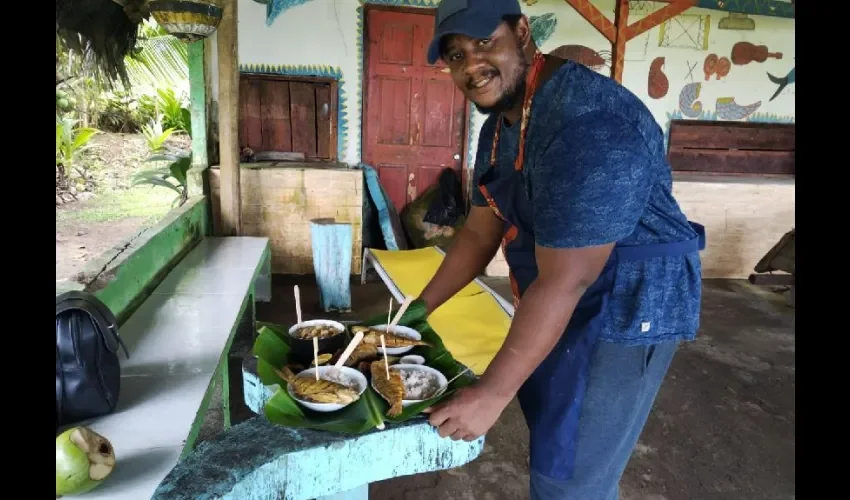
596 172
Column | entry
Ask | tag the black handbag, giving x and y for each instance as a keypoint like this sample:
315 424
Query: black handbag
88 372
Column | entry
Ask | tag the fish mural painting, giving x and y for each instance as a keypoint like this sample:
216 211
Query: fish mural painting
542 27
657 82
584 55
688 103
728 109
782 82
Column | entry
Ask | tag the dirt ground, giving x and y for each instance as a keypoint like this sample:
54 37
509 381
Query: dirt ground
114 211
723 426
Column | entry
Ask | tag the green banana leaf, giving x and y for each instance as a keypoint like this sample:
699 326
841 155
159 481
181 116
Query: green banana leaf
272 350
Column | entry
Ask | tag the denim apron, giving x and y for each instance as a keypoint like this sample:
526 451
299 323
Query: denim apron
552 397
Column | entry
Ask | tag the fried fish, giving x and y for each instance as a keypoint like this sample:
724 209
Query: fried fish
306 387
391 340
392 389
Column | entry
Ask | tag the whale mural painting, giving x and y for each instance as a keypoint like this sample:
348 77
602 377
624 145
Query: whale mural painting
782 82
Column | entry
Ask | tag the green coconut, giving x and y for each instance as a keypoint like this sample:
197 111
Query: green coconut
84 459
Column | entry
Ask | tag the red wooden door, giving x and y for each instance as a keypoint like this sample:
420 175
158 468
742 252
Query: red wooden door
415 115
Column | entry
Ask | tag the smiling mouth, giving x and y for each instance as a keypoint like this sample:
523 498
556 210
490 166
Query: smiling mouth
480 84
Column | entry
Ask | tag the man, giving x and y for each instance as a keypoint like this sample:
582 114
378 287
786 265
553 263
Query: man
571 177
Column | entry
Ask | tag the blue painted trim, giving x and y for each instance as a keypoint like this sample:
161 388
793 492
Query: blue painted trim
382 204
315 70
331 243
773 8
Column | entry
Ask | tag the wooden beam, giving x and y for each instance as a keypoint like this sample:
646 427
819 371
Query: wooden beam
618 52
661 15
619 32
596 18
228 121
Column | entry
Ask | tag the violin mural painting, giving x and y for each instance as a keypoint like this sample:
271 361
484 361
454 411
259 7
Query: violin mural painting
744 53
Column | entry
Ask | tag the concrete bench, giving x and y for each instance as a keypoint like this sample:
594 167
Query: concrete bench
179 340
257 459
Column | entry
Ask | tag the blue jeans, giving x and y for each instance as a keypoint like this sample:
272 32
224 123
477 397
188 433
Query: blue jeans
621 389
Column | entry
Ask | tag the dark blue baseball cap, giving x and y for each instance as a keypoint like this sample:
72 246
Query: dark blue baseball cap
473 18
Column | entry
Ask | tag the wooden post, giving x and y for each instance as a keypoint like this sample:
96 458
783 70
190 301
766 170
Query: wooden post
228 120
197 96
331 243
618 51
619 32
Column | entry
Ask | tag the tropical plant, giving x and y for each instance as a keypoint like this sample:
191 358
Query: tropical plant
155 136
158 58
175 114
177 168
71 140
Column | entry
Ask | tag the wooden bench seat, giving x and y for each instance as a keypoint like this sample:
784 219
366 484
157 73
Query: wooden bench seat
732 148
179 340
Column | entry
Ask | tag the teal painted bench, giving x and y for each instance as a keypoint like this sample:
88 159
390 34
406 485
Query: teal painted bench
258 460
180 341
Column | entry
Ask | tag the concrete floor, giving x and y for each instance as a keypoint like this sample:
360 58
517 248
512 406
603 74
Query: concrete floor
723 425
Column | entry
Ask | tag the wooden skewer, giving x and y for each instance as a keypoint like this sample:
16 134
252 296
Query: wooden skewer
348 350
316 355
400 313
444 389
389 314
298 303
457 376
386 364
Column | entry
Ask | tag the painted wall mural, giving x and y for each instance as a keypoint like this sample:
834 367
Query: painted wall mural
597 60
781 82
274 8
542 27
717 66
701 64
657 82
744 53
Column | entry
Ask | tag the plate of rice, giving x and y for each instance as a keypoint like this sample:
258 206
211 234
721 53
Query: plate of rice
420 382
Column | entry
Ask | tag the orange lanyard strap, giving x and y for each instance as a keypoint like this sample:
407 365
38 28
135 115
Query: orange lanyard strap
530 88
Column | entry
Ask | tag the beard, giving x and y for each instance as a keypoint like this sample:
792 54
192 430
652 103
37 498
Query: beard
513 92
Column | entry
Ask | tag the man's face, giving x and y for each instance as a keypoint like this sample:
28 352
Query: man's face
490 71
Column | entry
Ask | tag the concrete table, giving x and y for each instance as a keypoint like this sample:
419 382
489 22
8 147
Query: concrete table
261 460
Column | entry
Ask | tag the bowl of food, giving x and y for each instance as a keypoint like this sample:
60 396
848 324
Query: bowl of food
412 359
419 383
399 340
331 335
335 389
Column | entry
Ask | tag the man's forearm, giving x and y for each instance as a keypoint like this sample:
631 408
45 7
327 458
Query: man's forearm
538 323
464 261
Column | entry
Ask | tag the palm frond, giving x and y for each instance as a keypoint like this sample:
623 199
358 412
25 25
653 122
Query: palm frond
158 60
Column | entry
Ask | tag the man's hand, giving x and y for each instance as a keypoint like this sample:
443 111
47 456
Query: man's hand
468 414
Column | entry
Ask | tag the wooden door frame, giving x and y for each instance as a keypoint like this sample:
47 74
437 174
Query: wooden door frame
466 146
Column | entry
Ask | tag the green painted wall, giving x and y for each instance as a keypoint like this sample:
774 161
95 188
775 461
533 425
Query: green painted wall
124 276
